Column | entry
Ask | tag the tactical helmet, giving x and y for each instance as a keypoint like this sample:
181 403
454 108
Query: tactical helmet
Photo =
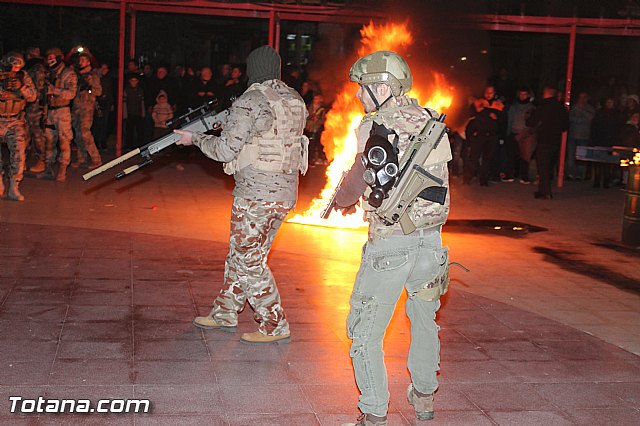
383 66
13 59
57 52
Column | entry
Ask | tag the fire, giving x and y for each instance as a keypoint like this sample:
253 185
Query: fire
339 138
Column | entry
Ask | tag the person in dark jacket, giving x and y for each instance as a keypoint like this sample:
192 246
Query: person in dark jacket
551 119
605 129
483 137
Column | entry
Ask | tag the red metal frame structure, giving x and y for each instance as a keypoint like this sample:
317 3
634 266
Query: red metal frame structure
556 25
273 12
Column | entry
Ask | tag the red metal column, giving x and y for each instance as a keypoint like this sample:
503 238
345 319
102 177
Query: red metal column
277 34
272 18
567 102
120 79
132 33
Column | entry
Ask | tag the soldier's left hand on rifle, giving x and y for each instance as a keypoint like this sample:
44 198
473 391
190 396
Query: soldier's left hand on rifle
185 137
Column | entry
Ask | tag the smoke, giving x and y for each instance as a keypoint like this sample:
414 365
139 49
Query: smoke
439 45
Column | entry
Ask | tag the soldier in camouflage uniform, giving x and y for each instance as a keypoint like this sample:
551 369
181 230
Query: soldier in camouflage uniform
16 89
89 88
263 146
61 89
35 110
392 260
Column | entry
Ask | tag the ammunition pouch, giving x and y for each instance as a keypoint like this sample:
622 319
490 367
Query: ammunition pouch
272 156
11 106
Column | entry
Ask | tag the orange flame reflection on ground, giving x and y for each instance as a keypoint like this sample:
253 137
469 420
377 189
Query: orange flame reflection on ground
339 138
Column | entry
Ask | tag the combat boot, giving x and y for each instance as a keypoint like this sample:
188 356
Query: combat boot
48 173
80 161
62 173
13 193
259 338
423 403
369 420
38 167
209 323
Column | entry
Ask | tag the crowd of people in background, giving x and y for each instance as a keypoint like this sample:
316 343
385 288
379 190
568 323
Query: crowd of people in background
512 136
152 96
71 112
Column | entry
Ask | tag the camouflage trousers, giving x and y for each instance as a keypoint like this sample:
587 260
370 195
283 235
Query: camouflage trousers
247 277
389 264
14 133
82 122
36 132
58 135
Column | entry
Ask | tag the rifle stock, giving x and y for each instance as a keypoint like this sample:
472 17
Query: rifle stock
201 119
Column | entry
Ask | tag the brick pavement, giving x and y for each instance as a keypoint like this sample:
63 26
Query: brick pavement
99 282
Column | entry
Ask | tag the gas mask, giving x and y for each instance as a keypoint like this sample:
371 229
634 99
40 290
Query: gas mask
380 160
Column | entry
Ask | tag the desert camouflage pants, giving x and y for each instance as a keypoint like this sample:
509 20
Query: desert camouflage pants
247 278
82 122
58 129
36 133
13 132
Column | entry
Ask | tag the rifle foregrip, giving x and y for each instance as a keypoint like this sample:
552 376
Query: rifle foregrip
110 164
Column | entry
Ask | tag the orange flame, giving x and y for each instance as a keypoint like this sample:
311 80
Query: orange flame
339 138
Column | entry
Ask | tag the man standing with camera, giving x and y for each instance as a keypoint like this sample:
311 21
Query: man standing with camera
16 90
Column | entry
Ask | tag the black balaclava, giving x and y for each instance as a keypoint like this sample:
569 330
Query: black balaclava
263 64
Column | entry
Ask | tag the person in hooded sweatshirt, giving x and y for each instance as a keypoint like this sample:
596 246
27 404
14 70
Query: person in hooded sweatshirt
263 147
161 112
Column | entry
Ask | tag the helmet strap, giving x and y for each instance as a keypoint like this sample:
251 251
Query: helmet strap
375 99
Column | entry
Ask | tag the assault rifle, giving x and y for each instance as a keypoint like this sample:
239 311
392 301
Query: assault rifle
332 202
414 180
202 119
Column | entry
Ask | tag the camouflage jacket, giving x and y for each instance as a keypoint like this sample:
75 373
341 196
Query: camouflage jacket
407 119
249 117
65 83
89 88
38 74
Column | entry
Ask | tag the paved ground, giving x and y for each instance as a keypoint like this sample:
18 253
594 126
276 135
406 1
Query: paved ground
99 282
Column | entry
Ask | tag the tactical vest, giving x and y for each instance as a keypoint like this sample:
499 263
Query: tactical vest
11 102
406 121
11 106
281 149
59 81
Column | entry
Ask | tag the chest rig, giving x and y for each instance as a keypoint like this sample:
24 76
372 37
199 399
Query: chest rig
282 148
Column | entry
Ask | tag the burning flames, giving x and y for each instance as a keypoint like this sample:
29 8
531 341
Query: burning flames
339 138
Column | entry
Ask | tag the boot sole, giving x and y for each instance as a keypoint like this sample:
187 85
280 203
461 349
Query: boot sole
250 342
425 416
227 329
